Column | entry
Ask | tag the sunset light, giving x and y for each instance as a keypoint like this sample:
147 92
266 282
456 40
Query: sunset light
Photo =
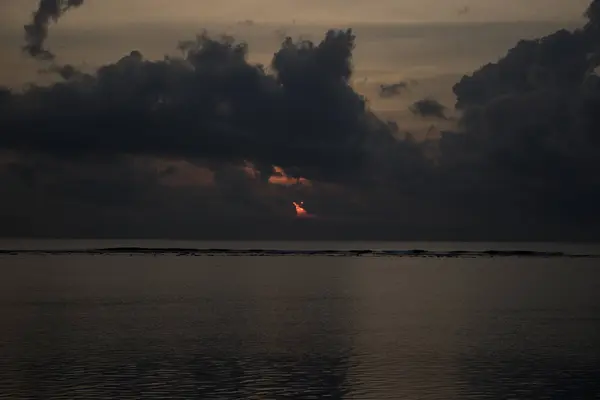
281 178
300 199
300 211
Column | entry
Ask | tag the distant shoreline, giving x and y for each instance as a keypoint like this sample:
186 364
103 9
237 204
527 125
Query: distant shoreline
296 252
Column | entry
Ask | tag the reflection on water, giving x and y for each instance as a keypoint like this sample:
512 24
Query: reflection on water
303 328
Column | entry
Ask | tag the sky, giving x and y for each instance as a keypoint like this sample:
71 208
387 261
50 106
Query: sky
430 119
104 13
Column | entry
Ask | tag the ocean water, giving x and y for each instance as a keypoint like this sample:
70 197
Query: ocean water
182 325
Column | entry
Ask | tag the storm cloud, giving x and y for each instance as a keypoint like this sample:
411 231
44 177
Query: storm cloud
210 136
530 122
210 104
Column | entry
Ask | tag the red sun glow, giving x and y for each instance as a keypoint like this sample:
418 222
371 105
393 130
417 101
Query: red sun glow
300 211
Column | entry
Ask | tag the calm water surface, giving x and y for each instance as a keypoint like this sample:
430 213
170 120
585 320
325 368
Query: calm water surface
117 326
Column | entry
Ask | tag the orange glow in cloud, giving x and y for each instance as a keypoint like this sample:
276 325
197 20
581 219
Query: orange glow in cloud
280 178
300 211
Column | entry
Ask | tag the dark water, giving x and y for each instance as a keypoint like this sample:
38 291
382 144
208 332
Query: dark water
144 326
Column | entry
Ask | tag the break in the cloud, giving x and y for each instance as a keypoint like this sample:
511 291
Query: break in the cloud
109 146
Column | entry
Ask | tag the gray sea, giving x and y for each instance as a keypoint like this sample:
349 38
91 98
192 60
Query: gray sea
132 324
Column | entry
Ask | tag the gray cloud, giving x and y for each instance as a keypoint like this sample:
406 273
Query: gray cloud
393 89
36 32
428 108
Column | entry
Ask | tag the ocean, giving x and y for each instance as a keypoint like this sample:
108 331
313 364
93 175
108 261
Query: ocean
114 319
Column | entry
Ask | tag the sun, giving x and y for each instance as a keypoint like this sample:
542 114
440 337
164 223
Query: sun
300 211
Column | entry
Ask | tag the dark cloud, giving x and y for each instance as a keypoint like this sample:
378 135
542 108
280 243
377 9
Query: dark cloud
428 108
392 89
530 124
184 144
5 96
214 109
36 32
211 104
592 13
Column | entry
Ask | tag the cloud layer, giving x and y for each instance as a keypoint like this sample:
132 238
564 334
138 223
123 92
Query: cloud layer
197 139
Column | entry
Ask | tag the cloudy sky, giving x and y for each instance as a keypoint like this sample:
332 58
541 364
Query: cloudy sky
105 13
400 128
